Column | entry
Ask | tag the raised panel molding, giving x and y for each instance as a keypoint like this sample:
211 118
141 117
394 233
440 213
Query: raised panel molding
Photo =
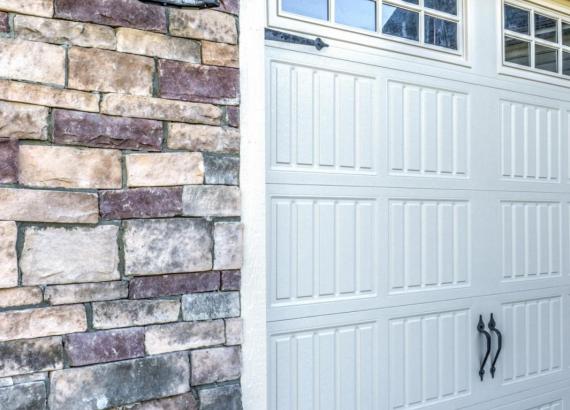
532 240
322 248
533 338
331 368
429 358
323 120
530 142
428 131
429 244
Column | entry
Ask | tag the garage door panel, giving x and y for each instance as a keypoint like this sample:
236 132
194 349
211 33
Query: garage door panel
324 118
427 130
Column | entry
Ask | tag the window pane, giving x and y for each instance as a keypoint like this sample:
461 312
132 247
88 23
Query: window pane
440 32
357 13
566 34
400 22
545 28
318 9
517 20
517 51
413 1
566 64
546 58
447 6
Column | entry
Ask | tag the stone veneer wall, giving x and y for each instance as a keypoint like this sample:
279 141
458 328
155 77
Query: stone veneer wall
120 234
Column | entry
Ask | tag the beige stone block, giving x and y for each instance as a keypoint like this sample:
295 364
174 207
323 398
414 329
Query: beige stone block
203 138
166 169
127 313
64 32
86 292
27 205
23 121
157 45
228 242
183 336
220 54
160 109
42 322
51 97
76 255
109 71
8 259
32 61
204 25
67 167
20 297
42 8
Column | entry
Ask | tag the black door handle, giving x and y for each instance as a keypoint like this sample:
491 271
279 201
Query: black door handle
493 328
481 329
275 35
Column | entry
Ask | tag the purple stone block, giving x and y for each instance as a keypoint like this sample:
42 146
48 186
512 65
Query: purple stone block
171 285
190 82
125 13
141 203
231 280
102 131
8 161
102 347
233 117
230 6
4 23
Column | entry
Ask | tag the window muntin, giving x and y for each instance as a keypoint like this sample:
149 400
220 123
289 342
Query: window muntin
535 39
436 24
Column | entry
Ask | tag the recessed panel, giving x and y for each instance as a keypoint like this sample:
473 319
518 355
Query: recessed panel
322 249
429 245
322 121
530 145
421 371
532 344
328 368
428 131
532 240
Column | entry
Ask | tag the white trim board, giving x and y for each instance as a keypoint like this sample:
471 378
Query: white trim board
252 177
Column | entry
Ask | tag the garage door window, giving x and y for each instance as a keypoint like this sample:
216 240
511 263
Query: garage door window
430 23
537 40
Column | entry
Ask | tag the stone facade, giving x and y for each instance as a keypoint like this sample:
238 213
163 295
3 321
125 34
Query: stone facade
120 233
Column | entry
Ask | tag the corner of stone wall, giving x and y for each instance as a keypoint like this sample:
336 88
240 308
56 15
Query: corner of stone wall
120 232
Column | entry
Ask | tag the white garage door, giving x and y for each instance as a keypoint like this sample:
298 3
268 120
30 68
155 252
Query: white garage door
418 183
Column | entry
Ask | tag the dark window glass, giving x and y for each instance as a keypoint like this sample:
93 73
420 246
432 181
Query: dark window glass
356 13
441 32
447 6
318 9
546 58
545 28
413 1
566 34
517 51
400 22
517 19
566 64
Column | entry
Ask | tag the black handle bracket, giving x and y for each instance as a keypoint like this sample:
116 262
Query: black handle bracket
275 35
481 329
493 328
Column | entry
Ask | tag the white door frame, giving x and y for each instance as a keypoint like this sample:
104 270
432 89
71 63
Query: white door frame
252 177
